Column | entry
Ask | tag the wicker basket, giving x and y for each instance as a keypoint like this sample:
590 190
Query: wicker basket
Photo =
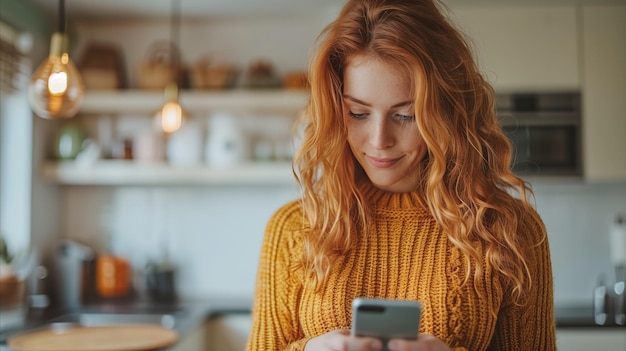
206 74
296 80
102 67
159 68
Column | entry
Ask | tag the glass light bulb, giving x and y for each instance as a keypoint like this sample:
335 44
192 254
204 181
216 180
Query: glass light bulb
171 117
57 83
56 88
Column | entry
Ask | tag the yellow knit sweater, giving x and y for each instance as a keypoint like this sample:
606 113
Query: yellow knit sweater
405 255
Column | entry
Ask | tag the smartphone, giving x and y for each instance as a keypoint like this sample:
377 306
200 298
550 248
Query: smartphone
386 319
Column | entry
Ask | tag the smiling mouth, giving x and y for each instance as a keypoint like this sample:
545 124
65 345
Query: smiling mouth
383 162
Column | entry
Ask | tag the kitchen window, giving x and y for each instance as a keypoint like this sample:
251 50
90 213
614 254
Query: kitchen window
16 126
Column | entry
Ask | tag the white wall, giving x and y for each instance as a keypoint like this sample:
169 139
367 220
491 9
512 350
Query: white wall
213 233
578 217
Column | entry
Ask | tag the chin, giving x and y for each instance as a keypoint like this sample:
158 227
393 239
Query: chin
393 184
386 184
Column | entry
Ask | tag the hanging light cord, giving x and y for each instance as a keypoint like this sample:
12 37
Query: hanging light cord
175 39
62 16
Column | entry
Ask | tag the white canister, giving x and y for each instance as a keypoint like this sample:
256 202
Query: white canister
226 143
617 238
148 146
184 147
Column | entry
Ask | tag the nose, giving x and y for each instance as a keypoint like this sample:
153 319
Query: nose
381 136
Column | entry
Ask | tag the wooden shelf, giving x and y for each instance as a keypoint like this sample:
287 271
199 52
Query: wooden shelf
141 101
129 102
120 173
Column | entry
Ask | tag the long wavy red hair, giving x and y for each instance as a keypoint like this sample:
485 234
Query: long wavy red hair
467 181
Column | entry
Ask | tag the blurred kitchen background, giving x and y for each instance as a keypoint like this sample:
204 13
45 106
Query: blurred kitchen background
199 200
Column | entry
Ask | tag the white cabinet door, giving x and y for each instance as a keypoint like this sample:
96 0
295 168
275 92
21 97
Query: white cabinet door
524 48
228 332
604 92
192 341
595 339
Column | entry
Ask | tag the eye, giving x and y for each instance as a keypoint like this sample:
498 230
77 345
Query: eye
357 115
404 118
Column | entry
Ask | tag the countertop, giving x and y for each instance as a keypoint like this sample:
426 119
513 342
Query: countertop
190 314
579 316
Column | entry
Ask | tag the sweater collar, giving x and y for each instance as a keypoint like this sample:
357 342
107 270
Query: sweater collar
391 200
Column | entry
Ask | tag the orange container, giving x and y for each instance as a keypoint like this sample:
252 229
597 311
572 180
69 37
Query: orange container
112 276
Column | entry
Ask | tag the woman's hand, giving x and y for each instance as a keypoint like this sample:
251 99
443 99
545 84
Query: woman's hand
424 342
341 340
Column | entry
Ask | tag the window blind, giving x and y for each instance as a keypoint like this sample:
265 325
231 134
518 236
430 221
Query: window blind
11 59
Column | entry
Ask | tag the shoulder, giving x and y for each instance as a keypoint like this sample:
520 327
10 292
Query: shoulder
531 229
286 225
289 216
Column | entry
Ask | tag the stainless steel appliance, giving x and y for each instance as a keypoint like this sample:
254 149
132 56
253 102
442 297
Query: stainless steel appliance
545 129
74 260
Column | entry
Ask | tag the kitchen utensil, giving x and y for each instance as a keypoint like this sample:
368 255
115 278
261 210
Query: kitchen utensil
161 283
71 259
617 239
112 276
135 337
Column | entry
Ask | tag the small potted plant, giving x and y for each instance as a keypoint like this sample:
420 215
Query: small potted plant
11 286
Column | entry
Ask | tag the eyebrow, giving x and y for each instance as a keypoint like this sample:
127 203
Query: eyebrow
400 104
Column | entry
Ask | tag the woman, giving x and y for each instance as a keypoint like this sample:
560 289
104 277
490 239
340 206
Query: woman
407 194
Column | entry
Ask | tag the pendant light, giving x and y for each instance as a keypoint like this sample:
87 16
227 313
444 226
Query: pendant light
171 115
56 88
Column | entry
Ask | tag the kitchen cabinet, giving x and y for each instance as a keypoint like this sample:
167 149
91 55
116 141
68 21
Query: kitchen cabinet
596 338
524 48
195 340
604 92
228 332
115 172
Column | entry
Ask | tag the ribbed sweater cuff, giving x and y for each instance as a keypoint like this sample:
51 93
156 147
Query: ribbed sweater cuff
298 345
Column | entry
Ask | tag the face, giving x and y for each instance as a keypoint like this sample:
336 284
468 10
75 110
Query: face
380 117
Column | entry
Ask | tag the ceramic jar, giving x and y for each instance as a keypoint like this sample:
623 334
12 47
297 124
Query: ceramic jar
184 147
226 143
68 142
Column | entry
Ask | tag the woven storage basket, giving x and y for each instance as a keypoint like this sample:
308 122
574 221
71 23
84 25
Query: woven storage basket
206 74
160 66
102 67
296 80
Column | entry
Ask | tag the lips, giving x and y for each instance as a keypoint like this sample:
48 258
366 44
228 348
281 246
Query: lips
382 162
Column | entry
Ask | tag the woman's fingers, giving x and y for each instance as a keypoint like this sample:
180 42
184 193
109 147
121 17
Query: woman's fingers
346 342
425 342
341 340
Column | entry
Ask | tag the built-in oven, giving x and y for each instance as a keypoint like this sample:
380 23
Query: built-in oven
545 130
